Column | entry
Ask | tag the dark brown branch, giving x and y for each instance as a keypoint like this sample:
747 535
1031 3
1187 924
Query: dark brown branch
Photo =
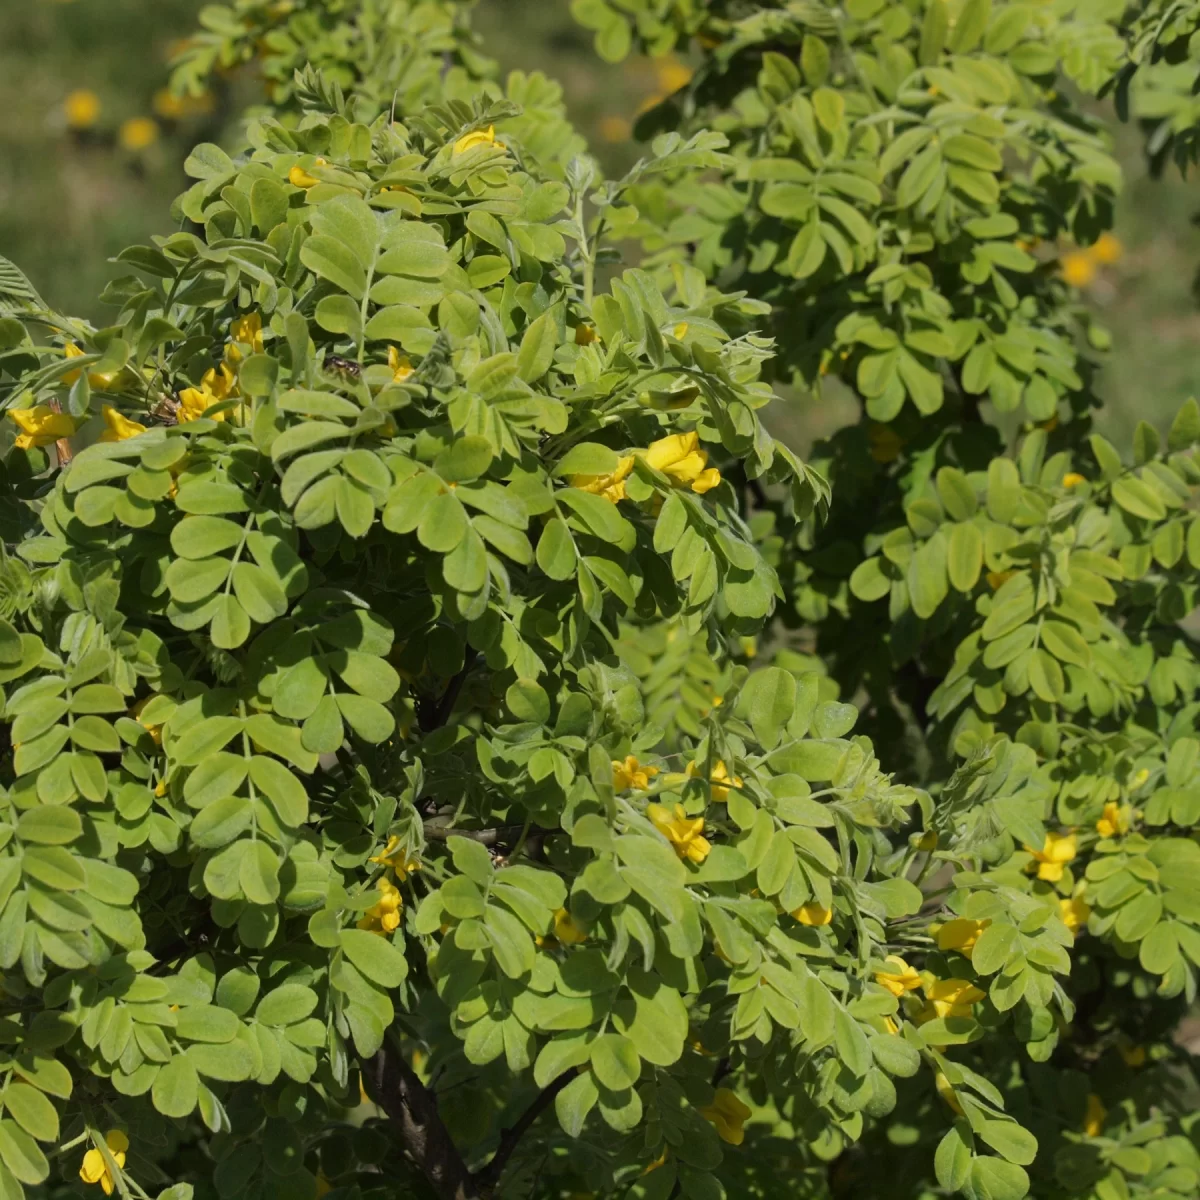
412 1109
721 1071
430 715
436 831
489 1176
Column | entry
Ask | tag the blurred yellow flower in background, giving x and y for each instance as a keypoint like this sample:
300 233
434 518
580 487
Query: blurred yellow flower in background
1108 249
137 134
1078 268
81 108
615 129
174 107
672 74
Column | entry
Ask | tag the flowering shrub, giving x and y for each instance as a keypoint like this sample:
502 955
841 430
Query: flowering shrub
424 670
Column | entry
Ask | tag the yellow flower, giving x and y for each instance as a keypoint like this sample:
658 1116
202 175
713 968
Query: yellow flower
928 841
1094 1117
1074 913
1108 249
217 384
997 579
248 331
902 978
891 1026
1058 850
399 365
813 913
1078 268
40 426
632 774
299 177
1072 479
1115 820
680 331
324 1187
683 832
100 380
1132 1055
615 129
81 108
117 427
172 107
720 781
384 916
610 486
566 930
960 934
729 1115
395 856
1139 779
96 1170
138 133
1049 425
679 457
672 75
953 997
585 335
884 443
479 137
945 1089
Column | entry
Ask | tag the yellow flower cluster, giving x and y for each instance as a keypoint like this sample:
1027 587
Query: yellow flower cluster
720 781
395 857
683 832
95 1168
383 917
610 486
220 383
632 774
943 997
677 456
1051 860
1079 267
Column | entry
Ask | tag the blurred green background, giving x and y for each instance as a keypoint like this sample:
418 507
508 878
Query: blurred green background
91 153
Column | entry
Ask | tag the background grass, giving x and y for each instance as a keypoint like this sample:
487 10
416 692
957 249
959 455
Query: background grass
69 201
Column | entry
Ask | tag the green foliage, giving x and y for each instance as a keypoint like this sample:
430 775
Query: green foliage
424 670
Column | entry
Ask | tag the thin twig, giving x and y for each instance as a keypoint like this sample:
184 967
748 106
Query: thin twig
489 1176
